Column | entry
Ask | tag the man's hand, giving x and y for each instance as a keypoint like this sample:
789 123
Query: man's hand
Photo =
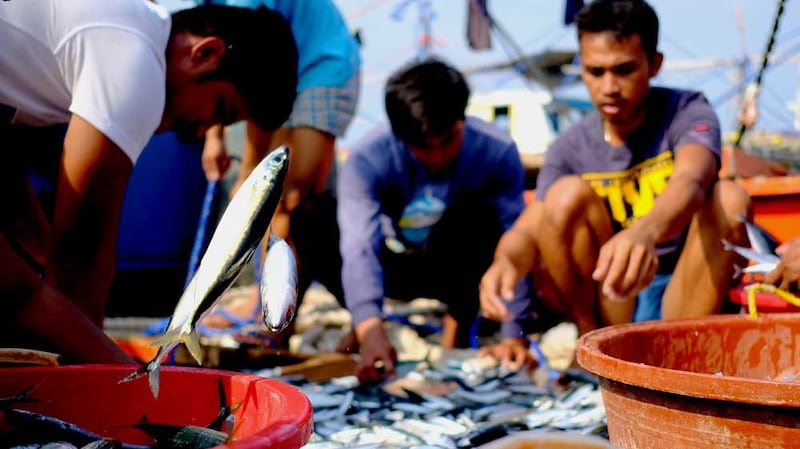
626 264
786 274
512 353
378 356
215 158
497 285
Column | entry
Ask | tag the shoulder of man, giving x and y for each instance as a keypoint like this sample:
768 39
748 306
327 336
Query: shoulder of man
581 130
682 98
487 130
379 136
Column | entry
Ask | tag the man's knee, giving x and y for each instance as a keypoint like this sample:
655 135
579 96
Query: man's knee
733 200
567 200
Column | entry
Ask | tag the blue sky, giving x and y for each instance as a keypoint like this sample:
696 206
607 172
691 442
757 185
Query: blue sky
692 31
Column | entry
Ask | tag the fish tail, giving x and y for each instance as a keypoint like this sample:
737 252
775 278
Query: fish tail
154 376
192 342
166 343
151 370
737 271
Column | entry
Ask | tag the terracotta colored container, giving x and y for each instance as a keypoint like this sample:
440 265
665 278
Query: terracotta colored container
272 414
714 382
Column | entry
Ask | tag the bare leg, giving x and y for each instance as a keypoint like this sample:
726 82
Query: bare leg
310 162
702 277
449 332
574 225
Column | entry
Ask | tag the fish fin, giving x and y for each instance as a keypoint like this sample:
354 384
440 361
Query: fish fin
192 342
170 336
235 430
727 245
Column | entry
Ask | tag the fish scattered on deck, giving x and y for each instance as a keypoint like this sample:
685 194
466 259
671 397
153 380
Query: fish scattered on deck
240 229
278 287
349 415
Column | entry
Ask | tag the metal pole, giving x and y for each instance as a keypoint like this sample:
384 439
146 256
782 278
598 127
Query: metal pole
764 62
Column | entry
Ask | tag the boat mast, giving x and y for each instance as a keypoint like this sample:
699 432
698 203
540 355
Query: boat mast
764 62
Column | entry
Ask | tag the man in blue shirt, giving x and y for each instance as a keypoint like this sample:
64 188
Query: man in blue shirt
421 206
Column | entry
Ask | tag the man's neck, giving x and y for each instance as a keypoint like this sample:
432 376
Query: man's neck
615 134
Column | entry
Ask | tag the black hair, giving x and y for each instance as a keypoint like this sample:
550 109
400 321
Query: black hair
251 35
425 99
624 18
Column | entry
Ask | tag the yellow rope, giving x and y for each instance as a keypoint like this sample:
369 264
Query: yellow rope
753 289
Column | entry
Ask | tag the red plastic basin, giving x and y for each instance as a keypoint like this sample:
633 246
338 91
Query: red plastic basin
699 383
765 302
272 414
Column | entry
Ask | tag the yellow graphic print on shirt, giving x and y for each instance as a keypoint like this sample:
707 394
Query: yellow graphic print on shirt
630 194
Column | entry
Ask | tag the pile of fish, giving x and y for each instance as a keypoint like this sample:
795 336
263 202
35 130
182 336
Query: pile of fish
451 404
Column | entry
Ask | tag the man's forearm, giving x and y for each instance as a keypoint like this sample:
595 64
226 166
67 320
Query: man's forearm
53 319
518 244
673 210
84 266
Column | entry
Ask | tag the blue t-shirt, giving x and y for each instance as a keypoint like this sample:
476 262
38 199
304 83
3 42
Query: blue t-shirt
383 191
630 177
328 55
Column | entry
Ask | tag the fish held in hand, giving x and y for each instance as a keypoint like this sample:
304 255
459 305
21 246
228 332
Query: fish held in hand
240 229
278 287
750 254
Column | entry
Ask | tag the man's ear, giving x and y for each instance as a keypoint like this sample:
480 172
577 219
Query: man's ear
655 64
206 54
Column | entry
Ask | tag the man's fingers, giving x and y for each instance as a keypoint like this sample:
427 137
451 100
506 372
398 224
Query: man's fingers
388 367
490 305
639 273
616 272
775 275
508 282
603 259
493 309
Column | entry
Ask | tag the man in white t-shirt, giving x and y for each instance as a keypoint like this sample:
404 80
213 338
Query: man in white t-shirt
113 72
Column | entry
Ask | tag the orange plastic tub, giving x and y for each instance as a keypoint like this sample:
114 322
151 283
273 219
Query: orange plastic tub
776 204
725 381
272 414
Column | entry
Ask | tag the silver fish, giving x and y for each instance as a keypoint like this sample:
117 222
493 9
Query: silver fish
278 287
240 229
758 241
750 254
761 268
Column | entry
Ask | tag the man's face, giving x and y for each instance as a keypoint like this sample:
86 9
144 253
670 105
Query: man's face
617 74
194 106
195 102
438 155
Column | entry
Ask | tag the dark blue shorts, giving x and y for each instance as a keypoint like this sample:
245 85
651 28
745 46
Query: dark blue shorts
648 301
